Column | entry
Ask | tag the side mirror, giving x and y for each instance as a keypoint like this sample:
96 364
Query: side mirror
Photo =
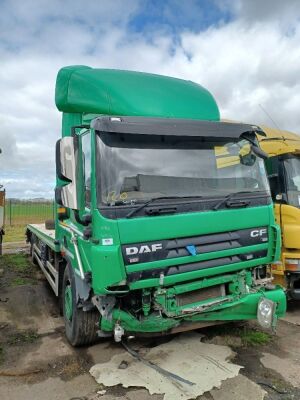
246 155
67 170
248 159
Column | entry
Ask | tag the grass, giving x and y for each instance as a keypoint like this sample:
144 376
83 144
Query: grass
240 336
25 212
20 281
22 337
18 270
18 215
15 233
1 355
16 262
251 337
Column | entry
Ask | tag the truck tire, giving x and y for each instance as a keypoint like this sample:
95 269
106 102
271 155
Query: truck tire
81 326
50 224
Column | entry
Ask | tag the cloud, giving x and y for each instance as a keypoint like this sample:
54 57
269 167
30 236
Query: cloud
244 52
250 66
275 11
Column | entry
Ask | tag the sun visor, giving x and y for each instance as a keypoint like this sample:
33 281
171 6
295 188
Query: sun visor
174 127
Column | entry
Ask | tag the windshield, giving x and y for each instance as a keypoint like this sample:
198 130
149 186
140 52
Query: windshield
135 168
292 168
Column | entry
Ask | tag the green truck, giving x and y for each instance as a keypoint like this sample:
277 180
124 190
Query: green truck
164 219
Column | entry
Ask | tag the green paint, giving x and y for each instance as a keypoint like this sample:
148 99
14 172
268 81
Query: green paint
68 302
82 89
193 224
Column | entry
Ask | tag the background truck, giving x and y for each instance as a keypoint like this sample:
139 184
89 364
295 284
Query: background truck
2 215
283 166
164 216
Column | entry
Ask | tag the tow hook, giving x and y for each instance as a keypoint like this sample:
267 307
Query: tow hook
118 333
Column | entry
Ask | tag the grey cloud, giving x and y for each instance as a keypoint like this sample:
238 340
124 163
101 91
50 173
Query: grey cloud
284 14
268 9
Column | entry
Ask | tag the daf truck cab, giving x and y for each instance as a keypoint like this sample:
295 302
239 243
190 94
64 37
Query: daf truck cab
283 166
164 217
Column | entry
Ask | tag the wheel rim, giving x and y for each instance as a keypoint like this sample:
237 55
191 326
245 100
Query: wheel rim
68 302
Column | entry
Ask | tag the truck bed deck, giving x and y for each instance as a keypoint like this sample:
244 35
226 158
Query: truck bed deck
46 235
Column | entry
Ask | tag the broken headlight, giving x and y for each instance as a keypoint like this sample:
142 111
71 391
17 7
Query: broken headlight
265 312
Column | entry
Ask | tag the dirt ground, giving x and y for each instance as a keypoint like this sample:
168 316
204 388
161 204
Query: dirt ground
36 361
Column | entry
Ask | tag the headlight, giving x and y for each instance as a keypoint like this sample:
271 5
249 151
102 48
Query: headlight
265 312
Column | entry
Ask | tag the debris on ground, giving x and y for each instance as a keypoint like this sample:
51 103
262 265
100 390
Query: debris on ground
101 392
206 365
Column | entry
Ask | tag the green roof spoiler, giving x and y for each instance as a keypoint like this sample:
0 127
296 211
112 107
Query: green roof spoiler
81 89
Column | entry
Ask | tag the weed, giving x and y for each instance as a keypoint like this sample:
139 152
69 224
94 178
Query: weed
17 262
1 355
18 281
237 336
15 233
18 270
22 337
251 337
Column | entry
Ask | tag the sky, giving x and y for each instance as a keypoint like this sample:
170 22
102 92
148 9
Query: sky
245 52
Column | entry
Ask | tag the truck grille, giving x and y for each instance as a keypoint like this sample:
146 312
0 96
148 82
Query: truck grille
200 294
178 269
181 247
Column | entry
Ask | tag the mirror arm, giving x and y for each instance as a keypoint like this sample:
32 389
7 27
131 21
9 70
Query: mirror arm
85 220
73 129
255 148
259 152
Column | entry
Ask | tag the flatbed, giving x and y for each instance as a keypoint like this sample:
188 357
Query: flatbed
44 250
46 235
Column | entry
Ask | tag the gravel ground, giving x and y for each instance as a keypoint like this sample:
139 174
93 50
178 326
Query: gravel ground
37 363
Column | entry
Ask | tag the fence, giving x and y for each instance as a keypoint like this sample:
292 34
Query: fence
19 212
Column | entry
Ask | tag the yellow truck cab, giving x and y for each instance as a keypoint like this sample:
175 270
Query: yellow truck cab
283 168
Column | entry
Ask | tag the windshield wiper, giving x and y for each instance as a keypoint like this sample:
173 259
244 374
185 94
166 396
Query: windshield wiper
136 210
241 203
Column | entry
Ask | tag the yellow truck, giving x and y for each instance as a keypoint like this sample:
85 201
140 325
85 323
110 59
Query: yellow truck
283 168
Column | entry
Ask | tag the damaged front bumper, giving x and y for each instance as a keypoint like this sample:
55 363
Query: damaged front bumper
246 307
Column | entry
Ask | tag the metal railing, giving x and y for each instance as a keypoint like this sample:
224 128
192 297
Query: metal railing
19 212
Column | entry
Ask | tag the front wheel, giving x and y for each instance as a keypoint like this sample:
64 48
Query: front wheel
81 326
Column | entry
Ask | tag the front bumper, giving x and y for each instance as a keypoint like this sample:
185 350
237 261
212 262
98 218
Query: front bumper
242 308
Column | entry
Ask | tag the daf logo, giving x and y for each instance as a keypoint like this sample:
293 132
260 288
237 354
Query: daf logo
191 249
258 232
130 251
